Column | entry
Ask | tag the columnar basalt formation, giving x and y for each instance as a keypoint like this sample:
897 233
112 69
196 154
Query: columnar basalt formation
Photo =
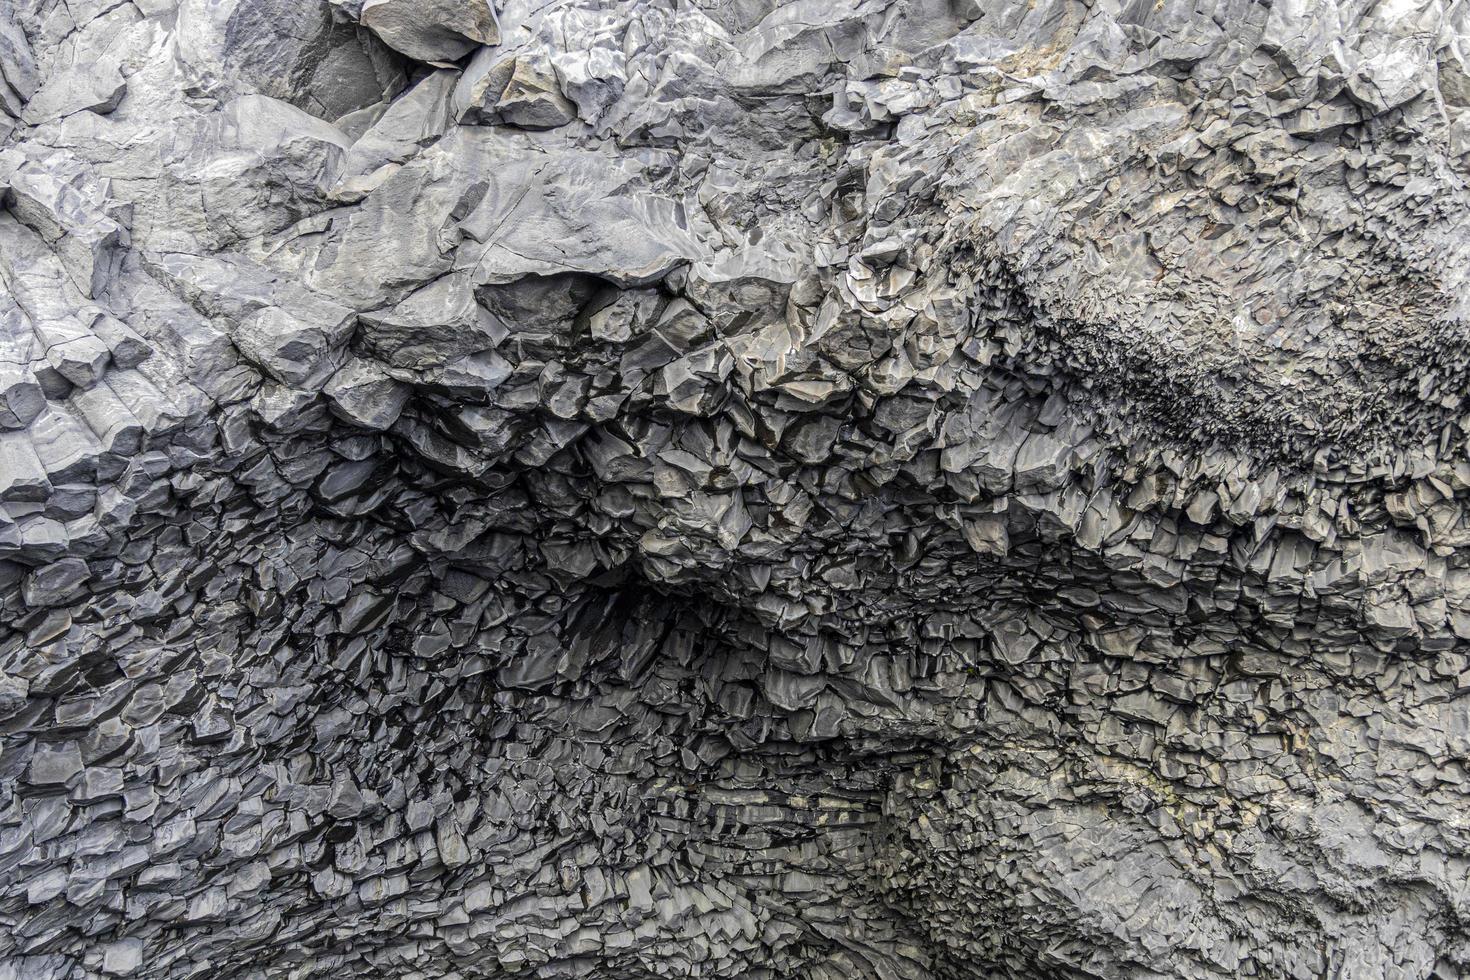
813 490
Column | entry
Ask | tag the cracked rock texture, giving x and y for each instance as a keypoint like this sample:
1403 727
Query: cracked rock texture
816 490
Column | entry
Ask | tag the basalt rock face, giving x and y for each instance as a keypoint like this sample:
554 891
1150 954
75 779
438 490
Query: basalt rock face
832 489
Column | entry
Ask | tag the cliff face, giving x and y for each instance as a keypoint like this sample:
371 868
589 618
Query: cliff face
834 489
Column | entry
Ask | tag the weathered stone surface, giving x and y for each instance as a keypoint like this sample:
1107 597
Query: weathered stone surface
432 30
818 490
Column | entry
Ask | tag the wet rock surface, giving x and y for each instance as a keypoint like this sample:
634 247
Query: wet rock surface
863 489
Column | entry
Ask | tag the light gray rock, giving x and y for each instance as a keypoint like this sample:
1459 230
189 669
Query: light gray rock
875 489
362 393
432 30
291 332
17 66
297 52
67 206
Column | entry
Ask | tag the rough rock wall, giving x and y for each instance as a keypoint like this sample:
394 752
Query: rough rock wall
831 489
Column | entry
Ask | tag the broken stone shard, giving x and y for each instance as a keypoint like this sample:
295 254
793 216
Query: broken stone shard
813 489
432 30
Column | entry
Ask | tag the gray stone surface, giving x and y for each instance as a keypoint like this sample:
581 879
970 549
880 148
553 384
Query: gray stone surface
832 489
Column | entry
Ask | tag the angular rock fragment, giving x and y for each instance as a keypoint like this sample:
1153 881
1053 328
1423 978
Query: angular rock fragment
291 332
22 476
415 120
296 52
432 30
366 395
251 169
519 90
66 206
18 76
